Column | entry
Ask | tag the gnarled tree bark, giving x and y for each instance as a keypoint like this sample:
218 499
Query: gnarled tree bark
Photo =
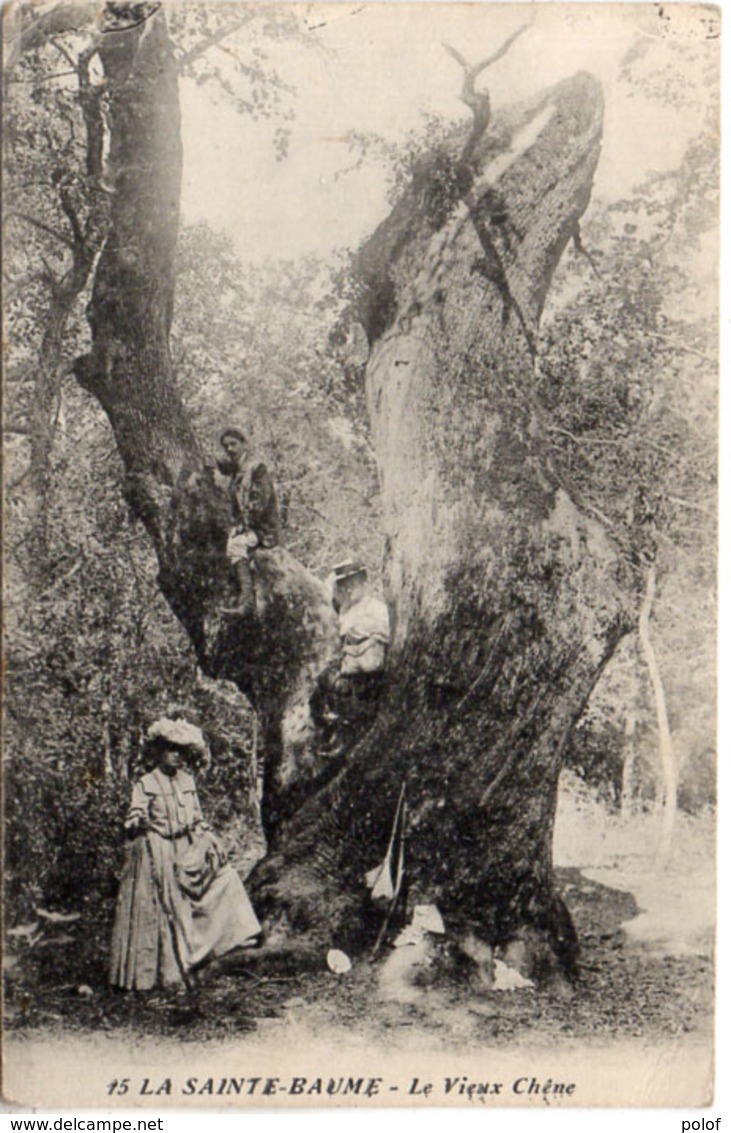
170 483
507 601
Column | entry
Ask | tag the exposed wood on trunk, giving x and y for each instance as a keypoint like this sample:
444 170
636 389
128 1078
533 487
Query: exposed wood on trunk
508 602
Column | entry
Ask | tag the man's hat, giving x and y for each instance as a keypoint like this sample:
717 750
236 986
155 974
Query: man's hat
232 431
347 569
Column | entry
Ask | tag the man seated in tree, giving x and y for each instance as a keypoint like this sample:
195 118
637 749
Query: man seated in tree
348 690
254 514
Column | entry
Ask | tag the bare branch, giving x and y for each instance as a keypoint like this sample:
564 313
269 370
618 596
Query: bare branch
49 276
63 579
214 40
480 67
692 506
479 103
66 17
609 524
11 488
675 344
456 55
471 73
614 442
582 250
66 55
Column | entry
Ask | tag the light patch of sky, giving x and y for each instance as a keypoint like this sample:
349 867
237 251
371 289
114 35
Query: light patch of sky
377 68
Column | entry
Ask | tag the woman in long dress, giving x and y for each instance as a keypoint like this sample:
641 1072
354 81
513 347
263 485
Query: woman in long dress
180 903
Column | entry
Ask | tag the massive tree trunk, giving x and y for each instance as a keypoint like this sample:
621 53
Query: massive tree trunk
507 601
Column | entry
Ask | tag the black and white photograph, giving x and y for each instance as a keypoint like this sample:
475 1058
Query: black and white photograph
360 424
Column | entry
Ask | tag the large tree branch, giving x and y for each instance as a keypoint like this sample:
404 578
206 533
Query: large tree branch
479 102
131 304
169 483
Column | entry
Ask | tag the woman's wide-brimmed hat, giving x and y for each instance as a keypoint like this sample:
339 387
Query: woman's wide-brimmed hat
179 733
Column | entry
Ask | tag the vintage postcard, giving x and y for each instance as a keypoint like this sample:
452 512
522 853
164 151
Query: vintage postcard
360 453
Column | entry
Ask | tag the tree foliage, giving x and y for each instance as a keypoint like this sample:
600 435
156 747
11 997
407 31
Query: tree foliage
628 375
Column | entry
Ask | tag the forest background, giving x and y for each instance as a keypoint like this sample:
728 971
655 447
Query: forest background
627 364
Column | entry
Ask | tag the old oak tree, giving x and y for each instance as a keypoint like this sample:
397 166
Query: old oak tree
507 598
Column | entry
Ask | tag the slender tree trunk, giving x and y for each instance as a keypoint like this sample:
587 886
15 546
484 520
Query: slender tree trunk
627 795
85 237
44 413
667 763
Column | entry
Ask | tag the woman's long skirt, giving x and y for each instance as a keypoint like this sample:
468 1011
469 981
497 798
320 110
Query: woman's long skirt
144 952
